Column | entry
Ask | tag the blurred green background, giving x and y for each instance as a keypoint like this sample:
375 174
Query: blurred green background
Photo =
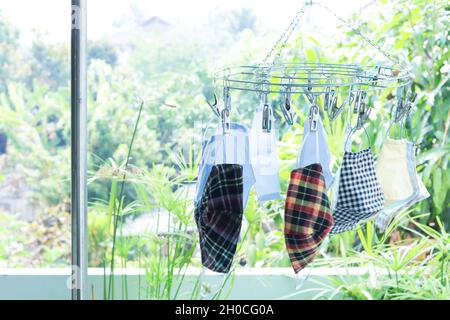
153 216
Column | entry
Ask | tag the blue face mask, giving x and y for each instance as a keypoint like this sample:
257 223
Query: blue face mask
232 148
314 149
264 160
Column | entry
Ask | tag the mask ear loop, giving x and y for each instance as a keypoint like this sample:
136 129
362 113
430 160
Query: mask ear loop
300 283
349 126
351 134
212 294
200 283
300 151
314 116
363 112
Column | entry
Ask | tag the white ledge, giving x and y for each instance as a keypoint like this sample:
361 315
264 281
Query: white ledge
192 271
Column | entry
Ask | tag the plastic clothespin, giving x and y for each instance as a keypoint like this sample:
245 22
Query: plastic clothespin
286 107
226 122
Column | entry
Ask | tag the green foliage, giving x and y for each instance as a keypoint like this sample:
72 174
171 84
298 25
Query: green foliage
172 74
412 269
41 242
102 50
49 65
8 45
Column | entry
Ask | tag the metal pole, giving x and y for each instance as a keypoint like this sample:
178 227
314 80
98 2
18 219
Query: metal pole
78 150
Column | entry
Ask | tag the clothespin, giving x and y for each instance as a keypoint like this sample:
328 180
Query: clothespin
363 113
313 118
328 98
267 117
213 106
350 97
310 95
401 103
376 74
406 106
357 103
227 97
286 107
226 122
335 111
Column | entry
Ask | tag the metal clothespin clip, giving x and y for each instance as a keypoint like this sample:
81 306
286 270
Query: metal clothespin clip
402 102
266 116
334 110
375 75
407 105
313 118
309 94
327 98
363 113
213 106
227 98
351 96
360 100
286 107
412 101
357 100
226 121
308 91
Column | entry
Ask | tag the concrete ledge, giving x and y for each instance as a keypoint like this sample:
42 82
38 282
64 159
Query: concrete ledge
248 283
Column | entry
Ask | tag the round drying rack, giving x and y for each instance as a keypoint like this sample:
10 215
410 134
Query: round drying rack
314 78
339 85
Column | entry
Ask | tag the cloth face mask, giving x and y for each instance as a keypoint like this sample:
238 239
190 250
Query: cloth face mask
308 217
393 172
230 149
263 157
419 192
315 149
359 195
218 216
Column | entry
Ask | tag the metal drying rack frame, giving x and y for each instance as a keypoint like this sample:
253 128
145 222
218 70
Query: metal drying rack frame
314 77
350 84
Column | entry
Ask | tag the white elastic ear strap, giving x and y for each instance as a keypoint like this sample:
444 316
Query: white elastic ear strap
317 142
300 151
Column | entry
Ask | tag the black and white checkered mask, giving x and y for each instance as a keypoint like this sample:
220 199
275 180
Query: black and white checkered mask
359 194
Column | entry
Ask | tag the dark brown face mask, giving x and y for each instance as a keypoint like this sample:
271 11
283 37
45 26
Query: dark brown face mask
218 215
308 217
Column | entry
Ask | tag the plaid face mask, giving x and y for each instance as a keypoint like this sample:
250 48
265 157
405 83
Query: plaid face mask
308 217
359 195
218 215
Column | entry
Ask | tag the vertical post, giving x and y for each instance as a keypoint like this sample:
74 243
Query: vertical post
79 150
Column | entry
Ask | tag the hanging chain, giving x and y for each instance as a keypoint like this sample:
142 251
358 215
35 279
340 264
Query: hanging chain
359 33
281 42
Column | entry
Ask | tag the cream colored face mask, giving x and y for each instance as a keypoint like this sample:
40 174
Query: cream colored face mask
419 192
392 170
